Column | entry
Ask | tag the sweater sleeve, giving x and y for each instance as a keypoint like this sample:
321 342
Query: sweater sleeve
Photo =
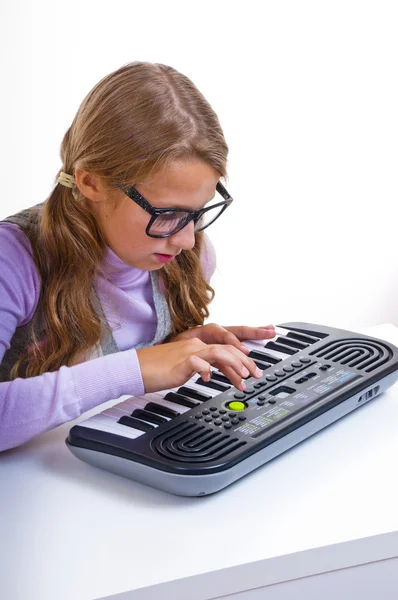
31 406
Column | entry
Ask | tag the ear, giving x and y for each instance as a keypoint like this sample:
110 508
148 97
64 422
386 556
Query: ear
90 186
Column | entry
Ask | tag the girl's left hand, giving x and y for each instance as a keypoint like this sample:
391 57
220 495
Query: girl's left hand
234 335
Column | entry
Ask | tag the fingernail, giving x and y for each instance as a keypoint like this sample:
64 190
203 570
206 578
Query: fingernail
243 386
245 372
258 372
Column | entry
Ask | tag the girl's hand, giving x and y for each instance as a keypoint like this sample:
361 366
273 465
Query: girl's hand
215 334
173 364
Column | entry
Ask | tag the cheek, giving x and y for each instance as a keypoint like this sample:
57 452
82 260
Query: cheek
128 232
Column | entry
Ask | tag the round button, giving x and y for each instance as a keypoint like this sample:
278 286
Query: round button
305 360
239 395
262 397
288 369
217 422
296 364
272 401
237 406
222 411
208 419
279 373
249 390
206 411
261 403
227 426
271 377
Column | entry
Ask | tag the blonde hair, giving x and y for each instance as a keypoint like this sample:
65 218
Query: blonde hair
134 122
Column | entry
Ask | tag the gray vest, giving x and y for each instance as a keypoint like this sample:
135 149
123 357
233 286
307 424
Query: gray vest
22 337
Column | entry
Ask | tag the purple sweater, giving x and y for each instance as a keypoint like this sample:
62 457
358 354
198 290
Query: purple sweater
34 405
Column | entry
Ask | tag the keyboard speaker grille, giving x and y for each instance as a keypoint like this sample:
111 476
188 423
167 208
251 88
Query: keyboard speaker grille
191 442
364 355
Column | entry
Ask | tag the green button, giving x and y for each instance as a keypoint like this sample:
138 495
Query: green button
236 406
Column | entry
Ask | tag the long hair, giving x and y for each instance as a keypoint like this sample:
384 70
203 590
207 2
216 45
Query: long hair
135 122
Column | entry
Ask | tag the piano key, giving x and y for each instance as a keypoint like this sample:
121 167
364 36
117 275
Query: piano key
163 411
196 394
109 425
308 339
218 376
271 356
279 347
159 399
97 426
179 399
136 423
193 385
292 342
215 385
261 365
260 355
146 415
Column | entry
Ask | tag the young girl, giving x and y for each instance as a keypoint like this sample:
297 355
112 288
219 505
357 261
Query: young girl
104 288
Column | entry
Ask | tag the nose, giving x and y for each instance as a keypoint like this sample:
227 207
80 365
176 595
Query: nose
185 238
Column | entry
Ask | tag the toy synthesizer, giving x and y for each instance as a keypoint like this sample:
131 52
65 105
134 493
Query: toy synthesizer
198 438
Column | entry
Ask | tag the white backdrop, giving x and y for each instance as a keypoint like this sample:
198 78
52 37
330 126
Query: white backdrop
307 94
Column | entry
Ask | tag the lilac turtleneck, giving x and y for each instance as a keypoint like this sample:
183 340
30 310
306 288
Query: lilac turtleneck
34 405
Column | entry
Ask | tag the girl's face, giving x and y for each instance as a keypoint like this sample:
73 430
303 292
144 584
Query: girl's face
184 185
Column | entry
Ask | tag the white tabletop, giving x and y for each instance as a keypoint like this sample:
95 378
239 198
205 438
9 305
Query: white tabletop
69 530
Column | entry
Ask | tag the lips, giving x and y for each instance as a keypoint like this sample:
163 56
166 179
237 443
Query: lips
164 258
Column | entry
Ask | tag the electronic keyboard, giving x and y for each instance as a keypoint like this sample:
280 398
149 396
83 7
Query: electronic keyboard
198 438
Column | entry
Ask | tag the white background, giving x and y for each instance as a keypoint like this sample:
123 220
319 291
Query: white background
307 94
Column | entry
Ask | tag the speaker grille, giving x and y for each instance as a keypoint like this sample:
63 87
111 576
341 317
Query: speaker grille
364 355
193 443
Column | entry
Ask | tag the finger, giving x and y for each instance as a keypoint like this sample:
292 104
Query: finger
196 364
248 363
242 332
231 375
229 356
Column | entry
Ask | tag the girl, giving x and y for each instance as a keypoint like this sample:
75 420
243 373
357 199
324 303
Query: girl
104 288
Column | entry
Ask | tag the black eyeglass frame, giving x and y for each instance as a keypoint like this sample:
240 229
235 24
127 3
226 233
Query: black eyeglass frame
194 215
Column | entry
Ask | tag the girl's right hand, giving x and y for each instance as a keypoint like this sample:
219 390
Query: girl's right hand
170 365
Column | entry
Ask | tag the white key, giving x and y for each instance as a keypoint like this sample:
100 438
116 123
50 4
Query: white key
202 388
109 425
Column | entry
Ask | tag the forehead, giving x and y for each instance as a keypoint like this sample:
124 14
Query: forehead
188 185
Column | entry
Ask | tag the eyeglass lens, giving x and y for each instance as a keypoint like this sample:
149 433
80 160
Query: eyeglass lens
167 223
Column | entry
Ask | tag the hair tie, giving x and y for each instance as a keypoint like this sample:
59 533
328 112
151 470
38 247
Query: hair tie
66 180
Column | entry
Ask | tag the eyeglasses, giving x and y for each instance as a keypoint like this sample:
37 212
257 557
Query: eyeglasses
165 222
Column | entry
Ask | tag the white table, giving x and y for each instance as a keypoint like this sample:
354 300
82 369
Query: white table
319 521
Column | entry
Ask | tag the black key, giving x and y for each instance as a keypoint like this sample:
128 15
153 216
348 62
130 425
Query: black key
181 400
139 413
303 338
187 391
263 356
280 348
164 411
293 343
215 385
262 365
135 423
220 377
